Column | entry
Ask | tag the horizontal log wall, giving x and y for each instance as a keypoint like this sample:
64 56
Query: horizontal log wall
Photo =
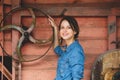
93 23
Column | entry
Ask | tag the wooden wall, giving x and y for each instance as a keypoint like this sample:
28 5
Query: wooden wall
94 19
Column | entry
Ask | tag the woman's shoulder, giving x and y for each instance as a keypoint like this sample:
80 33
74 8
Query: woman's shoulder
78 49
78 45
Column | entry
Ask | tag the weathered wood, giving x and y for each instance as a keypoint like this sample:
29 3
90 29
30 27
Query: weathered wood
16 68
118 30
1 9
1 34
116 11
72 10
84 3
38 74
75 9
15 3
92 19
7 2
111 64
112 32
42 69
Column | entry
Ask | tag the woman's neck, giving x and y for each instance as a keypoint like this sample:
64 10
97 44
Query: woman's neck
68 42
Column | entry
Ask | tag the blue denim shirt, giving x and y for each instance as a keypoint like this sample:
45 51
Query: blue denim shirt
71 62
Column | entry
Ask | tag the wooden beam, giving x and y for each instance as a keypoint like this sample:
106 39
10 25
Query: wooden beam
74 10
79 4
59 10
16 19
1 33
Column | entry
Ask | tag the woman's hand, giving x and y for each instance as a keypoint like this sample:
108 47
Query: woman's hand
52 22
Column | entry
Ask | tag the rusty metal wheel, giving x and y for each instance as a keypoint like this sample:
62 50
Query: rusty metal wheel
26 34
106 65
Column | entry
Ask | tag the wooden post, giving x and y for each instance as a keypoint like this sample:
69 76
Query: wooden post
16 19
112 33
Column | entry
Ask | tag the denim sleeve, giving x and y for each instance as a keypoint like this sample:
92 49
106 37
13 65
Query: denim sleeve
58 50
77 63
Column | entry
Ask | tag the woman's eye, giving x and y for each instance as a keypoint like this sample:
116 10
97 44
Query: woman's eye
69 27
62 28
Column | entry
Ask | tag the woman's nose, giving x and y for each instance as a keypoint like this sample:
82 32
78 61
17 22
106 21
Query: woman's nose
65 29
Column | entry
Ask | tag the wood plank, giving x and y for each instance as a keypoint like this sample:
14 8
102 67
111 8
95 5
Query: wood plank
75 10
1 11
8 47
94 46
118 27
7 2
49 62
15 3
1 34
16 19
48 2
87 74
116 11
57 10
93 33
38 74
83 3
1 52
118 30
92 27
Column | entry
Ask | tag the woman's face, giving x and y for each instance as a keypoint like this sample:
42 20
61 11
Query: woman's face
66 31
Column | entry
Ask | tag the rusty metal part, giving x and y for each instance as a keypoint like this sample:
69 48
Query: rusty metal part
26 34
111 28
106 65
116 76
117 43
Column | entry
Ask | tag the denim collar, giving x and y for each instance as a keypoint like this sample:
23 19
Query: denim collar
71 46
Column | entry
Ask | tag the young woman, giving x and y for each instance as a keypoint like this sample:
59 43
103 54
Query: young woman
71 55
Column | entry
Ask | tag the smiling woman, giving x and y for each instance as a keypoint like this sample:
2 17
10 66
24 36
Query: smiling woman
71 55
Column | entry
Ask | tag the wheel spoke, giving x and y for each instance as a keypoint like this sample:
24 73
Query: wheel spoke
11 27
32 39
18 50
33 22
